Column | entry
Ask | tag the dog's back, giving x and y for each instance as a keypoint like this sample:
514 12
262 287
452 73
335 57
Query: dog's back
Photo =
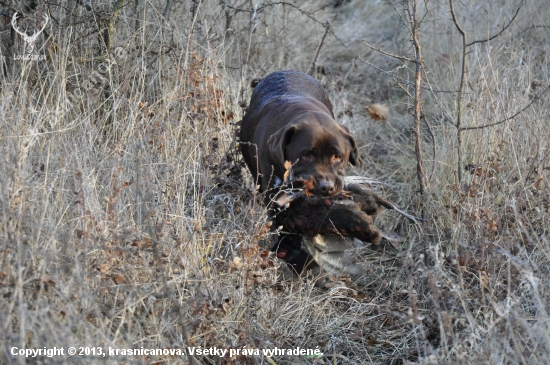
287 83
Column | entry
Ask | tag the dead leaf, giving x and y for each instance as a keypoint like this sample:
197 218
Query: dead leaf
378 111
484 278
474 170
119 279
128 183
48 283
103 268
492 226
538 182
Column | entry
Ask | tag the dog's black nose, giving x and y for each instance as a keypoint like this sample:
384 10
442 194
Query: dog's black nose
326 187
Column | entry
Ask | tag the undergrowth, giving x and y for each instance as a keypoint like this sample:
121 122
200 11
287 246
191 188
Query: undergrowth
128 218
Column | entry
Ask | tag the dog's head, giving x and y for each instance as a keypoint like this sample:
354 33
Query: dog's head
319 153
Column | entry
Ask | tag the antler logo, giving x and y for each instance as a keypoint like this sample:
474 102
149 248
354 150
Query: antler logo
29 39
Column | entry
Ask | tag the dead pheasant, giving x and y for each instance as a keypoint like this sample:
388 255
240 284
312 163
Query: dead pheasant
330 226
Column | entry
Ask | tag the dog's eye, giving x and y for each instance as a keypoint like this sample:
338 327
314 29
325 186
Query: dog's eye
337 158
307 156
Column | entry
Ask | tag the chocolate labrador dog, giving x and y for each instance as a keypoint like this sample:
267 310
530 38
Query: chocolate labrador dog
290 119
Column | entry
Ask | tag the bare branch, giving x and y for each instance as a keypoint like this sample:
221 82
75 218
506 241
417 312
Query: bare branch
310 15
510 117
534 27
403 88
260 8
418 99
406 23
447 118
401 58
400 79
314 63
166 12
455 20
501 31
460 91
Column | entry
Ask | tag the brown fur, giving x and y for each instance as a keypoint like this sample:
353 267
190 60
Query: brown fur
290 119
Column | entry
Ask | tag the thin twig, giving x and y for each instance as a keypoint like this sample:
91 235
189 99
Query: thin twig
404 89
502 30
403 20
260 8
434 150
460 90
465 46
401 58
397 78
534 27
166 11
447 117
314 63
510 117
140 13
418 99
455 20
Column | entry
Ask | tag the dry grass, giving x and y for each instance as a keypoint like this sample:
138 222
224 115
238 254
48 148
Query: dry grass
128 220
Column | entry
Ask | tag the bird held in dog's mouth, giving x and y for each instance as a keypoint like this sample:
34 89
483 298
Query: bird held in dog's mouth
331 227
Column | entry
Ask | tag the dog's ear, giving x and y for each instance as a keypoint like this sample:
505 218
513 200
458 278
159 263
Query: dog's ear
278 141
354 158
354 152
